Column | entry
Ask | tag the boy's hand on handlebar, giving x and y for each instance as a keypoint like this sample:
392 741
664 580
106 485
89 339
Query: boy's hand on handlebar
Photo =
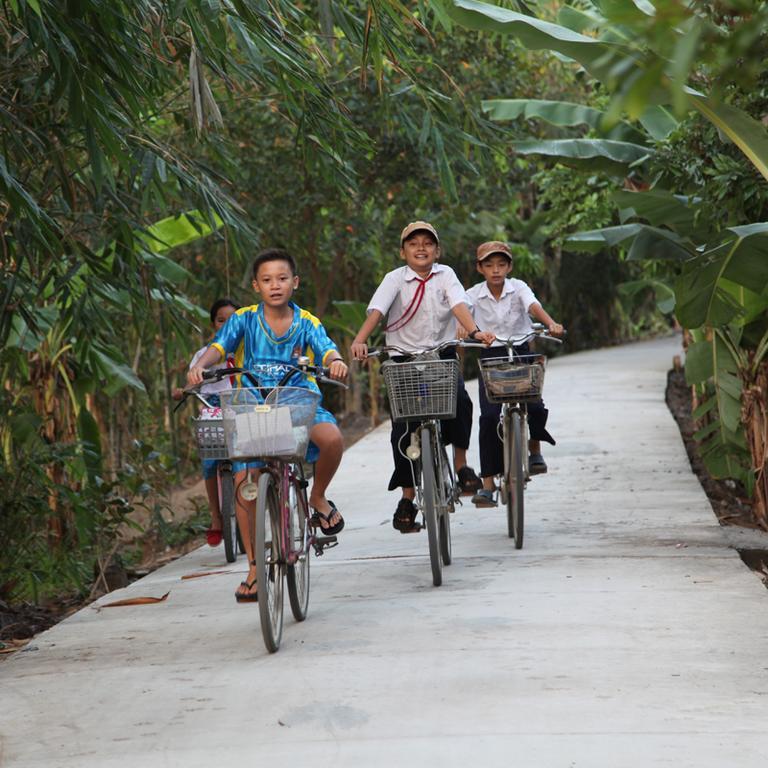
486 337
338 370
194 376
556 329
359 350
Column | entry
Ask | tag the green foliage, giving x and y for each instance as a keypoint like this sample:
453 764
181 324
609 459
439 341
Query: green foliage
690 225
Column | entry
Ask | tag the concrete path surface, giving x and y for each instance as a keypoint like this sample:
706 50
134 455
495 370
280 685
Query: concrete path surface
626 633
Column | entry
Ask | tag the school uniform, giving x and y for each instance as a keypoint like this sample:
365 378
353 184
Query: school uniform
506 317
419 316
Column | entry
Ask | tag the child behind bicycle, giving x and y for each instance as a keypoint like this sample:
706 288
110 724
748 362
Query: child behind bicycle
274 334
220 312
504 305
422 302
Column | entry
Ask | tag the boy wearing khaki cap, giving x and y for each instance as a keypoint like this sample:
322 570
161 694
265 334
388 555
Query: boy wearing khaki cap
504 306
422 302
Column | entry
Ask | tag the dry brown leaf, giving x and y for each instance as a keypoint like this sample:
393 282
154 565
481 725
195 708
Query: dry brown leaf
202 573
136 601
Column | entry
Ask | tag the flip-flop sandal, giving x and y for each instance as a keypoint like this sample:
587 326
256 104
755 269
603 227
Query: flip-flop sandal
330 530
213 536
247 597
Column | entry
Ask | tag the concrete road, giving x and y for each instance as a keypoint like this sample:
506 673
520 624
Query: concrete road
626 633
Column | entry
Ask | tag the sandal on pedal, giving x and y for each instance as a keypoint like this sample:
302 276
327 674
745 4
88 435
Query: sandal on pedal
404 519
469 482
484 498
537 464
247 597
329 530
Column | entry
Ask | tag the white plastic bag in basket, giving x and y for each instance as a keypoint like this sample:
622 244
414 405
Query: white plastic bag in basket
265 431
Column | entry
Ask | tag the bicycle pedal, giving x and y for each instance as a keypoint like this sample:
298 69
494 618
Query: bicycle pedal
322 543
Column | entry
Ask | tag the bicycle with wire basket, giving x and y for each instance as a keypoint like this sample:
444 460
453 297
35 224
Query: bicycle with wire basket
423 388
271 425
208 430
515 381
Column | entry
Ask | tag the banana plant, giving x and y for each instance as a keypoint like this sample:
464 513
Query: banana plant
643 55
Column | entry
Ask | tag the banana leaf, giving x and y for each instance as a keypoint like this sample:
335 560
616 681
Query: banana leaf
596 56
614 157
703 298
655 242
562 114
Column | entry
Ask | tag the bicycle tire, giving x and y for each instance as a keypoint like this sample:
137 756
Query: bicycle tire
298 542
446 505
227 510
429 482
515 480
270 565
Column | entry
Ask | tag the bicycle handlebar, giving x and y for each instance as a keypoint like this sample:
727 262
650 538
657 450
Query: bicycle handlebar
321 373
538 331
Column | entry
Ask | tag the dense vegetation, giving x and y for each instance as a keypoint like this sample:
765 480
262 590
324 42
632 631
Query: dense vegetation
150 148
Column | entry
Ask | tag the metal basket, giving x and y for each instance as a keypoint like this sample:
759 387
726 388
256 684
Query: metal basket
209 434
421 389
507 382
277 426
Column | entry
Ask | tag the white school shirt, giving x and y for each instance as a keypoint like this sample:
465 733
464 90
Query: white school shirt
433 322
506 316
213 387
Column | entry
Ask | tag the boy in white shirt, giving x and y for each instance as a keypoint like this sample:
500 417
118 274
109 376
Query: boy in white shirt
422 301
504 306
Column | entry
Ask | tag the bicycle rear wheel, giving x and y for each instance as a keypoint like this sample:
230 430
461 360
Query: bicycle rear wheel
514 476
429 478
270 566
298 546
227 509
446 504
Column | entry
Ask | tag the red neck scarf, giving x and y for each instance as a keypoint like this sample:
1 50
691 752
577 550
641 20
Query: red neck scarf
412 308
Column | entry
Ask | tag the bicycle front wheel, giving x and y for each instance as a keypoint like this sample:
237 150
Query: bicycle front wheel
227 508
270 565
429 479
298 548
446 504
514 476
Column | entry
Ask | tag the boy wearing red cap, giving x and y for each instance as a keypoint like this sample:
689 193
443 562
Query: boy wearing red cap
422 302
504 306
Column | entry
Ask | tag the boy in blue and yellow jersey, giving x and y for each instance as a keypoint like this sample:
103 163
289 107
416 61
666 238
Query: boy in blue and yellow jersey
274 333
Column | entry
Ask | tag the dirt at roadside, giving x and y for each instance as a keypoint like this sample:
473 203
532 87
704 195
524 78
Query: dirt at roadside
20 623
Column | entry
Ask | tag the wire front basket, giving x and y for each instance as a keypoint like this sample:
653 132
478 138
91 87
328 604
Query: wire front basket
277 426
209 434
513 382
421 389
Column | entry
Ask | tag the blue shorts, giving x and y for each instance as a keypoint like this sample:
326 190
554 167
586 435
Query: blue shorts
321 417
209 465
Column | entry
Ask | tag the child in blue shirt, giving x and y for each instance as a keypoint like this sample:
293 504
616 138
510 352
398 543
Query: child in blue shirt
274 333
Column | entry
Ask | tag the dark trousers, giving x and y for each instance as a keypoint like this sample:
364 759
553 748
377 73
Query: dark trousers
491 446
454 431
